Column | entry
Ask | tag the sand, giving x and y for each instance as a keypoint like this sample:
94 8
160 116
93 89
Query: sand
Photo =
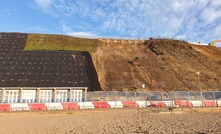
113 121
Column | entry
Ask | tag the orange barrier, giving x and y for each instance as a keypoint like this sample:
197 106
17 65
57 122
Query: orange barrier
183 103
157 103
70 105
210 103
131 104
5 107
37 106
101 104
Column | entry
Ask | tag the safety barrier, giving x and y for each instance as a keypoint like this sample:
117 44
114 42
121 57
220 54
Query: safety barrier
86 105
70 105
115 104
197 103
54 106
210 103
157 103
182 103
169 103
107 104
101 104
5 107
130 104
20 107
218 103
143 103
37 106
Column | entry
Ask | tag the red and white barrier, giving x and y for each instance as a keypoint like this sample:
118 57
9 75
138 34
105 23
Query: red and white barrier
197 103
86 105
106 104
54 106
157 103
5 107
182 103
130 104
101 104
20 107
70 105
210 103
218 103
115 104
37 106
143 103
168 103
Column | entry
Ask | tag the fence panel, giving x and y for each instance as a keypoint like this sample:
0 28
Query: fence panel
173 95
100 96
180 95
113 95
195 95
208 96
89 96
166 96
217 95
156 96
142 96
196 99
128 96
181 98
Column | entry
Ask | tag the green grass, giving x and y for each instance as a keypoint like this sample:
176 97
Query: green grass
59 42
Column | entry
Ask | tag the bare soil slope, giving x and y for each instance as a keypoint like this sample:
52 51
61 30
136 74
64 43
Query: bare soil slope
160 64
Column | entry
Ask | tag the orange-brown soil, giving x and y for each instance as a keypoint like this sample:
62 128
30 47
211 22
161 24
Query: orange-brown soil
171 64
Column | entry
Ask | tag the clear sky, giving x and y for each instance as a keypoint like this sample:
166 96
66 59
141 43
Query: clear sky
190 20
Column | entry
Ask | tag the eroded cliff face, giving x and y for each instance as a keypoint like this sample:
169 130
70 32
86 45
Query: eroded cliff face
160 64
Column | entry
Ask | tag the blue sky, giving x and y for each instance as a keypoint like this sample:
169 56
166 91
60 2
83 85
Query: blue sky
190 20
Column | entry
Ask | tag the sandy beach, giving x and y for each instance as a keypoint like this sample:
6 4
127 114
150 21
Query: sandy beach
113 121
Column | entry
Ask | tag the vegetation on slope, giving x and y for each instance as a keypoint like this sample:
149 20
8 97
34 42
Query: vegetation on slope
59 42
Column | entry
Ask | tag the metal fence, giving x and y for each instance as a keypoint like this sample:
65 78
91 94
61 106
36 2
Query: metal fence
152 96
118 99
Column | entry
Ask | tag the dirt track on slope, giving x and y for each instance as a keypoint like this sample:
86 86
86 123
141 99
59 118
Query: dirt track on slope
124 121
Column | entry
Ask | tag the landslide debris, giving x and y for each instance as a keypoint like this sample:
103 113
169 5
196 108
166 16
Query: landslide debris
160 64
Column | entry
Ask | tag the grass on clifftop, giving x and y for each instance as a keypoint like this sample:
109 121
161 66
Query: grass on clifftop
59 42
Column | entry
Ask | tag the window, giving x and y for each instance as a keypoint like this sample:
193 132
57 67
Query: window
76 95
12 96
46 96
62 95
28 96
